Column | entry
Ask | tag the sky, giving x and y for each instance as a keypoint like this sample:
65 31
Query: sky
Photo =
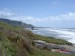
42 13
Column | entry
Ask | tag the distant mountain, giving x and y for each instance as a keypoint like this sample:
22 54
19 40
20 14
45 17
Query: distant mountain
16 23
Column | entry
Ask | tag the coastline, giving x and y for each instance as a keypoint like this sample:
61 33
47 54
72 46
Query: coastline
66 34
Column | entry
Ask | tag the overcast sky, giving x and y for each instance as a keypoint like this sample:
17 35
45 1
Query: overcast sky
46 13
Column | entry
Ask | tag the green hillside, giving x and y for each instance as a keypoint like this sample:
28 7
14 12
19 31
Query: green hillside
16 41
16 23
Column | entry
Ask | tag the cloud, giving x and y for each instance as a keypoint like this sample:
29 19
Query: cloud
6 14
39 21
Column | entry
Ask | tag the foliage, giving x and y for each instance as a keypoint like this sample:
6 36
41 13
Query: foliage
16 41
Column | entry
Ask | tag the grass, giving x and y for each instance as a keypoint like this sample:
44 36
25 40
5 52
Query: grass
16 41
41 52
8 48
51 40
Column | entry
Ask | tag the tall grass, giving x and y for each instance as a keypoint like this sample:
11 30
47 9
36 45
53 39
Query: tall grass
16 41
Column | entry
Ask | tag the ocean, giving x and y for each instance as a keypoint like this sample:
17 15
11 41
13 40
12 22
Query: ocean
67 34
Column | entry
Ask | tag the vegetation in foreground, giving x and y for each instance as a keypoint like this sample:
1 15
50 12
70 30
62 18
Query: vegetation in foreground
16 41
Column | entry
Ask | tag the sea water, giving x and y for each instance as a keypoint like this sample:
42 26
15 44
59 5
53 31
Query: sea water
67 34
